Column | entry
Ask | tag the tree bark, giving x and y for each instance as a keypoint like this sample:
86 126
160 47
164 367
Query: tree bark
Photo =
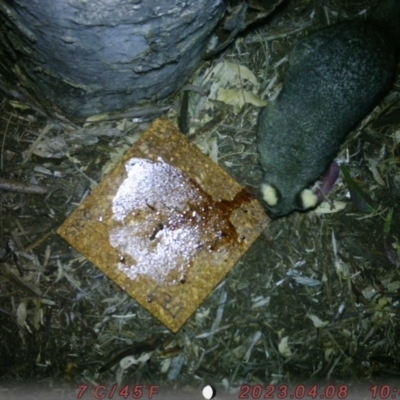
81 58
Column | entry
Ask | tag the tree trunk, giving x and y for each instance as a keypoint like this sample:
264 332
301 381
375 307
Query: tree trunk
81 58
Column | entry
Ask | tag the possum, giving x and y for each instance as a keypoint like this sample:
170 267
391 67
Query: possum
337 75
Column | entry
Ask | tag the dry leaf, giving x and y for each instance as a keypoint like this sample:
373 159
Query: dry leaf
284 347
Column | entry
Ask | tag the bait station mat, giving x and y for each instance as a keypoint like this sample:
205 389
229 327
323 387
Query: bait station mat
167 224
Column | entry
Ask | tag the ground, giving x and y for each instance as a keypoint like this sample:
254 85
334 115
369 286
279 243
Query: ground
315 299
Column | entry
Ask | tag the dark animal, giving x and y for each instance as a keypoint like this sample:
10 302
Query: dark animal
338 75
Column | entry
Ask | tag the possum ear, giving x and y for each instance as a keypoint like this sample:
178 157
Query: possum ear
306 199
270 195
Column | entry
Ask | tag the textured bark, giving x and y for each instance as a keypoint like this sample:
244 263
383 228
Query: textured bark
85 57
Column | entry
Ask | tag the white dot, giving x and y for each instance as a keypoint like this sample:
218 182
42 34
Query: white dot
208 392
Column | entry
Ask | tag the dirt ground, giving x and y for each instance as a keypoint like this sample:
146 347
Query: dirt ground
315 299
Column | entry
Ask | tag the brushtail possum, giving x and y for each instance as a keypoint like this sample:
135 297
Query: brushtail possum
338 74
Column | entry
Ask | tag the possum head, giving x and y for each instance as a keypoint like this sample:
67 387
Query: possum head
290 163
